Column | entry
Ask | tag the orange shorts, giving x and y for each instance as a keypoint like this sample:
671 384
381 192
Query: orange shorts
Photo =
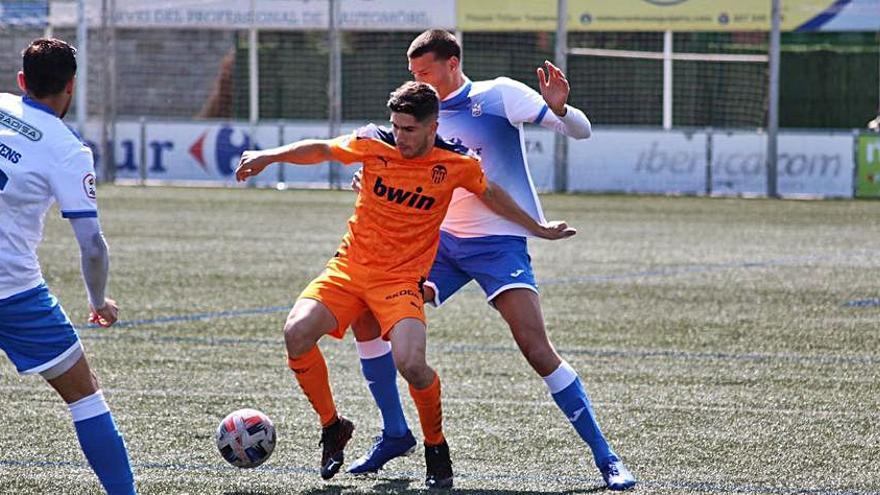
349 289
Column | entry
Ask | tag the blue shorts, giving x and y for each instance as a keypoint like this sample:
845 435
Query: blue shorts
34 330
496 262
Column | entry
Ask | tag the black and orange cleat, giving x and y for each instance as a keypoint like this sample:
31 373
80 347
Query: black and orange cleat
438 473
333 439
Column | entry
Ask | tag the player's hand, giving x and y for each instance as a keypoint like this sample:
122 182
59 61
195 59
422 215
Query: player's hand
250 165
554 87
555 230
356 180
106 315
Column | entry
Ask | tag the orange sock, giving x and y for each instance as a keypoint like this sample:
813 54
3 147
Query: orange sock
310 371
427 401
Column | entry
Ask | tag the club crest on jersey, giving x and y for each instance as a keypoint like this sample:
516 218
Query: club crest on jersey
438 173
89 185
476 109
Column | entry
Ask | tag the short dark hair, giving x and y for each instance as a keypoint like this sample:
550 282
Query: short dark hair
440 42
48 65
414 98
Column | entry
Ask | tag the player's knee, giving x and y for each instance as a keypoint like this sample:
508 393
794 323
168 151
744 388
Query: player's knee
414 369
295 337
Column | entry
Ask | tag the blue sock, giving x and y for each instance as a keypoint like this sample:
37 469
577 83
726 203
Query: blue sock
102 444
570 396
378 368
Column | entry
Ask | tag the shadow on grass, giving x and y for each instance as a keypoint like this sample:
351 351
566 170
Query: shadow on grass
411 486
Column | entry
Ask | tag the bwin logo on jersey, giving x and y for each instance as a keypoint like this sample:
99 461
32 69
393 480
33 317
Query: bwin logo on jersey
400 196
476 109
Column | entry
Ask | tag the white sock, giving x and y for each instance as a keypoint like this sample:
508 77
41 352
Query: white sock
372 349
562 377
88 407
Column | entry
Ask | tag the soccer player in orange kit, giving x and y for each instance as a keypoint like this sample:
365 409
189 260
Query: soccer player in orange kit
409 175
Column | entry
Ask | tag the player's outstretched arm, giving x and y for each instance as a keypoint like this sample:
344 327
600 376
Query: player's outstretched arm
555 90
95 263
501 203
305 152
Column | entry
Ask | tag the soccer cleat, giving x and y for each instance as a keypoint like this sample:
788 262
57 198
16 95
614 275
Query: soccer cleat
383 450
617 477
438 472
334 438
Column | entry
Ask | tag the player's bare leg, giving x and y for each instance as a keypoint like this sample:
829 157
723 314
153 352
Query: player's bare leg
76 383
521 309
307 322
377 366
408 345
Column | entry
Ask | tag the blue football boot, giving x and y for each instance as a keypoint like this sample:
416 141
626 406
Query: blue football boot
383 450
617 477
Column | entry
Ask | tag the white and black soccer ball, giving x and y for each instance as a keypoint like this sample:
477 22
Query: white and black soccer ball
245 438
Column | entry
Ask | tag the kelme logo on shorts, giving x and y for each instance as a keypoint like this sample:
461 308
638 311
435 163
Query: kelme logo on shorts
402 197
20 126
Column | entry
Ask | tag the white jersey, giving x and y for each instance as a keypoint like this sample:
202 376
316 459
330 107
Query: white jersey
488 117
41 161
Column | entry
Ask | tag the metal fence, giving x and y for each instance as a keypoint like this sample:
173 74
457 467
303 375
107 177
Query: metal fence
633 79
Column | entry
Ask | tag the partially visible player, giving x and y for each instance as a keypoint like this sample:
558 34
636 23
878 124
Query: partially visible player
409 176
477 244
42 161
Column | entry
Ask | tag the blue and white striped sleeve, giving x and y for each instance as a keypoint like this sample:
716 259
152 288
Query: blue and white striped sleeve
522 104
525 105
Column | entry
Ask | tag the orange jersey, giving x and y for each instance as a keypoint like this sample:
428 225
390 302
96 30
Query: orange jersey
396 222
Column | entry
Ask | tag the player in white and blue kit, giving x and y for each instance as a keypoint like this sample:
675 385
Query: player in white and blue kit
477 244
42 161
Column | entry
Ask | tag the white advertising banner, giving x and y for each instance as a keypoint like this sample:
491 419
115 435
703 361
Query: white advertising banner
628 161
185 151
373 15
205 152
314 175
127 148
810 164
638 161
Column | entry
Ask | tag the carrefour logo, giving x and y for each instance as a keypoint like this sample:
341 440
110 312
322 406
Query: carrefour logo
228 146
665 3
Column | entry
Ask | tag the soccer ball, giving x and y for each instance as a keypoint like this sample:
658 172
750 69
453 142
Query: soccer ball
245 438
